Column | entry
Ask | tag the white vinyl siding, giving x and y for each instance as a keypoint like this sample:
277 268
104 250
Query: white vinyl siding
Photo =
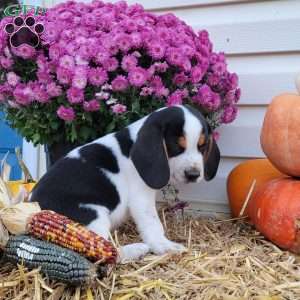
262 43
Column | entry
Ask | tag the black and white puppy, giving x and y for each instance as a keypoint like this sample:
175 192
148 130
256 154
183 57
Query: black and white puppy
99 183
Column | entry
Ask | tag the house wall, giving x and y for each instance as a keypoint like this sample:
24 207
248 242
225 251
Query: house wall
261 40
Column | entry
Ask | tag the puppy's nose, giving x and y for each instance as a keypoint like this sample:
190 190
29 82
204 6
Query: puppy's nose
192 174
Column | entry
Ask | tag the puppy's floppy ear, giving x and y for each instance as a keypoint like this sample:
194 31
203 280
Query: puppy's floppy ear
211 159
148 153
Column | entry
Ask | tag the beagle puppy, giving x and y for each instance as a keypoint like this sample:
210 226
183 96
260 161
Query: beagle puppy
100 183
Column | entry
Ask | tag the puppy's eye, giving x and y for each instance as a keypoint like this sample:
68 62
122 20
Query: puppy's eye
202 142
181 141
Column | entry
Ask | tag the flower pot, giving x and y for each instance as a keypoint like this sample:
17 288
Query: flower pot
57 150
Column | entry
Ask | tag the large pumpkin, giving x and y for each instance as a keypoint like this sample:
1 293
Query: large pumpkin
275 212
280 135
240 180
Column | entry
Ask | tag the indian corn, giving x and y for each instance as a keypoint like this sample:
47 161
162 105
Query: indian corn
56 228
56 262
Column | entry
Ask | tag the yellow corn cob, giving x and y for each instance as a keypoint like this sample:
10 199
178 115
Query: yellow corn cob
50 226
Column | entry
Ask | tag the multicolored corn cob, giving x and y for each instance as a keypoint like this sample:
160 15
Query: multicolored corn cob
50 226
56 262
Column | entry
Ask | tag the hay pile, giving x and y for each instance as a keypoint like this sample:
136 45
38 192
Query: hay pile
226 260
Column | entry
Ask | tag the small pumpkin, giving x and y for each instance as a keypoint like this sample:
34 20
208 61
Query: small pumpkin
280 134
241 178
275 212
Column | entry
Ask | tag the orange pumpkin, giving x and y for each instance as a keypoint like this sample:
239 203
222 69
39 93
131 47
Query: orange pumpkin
240 180
275 212
280 135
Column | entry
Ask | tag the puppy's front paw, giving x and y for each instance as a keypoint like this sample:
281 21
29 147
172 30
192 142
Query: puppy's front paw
133 252
164 246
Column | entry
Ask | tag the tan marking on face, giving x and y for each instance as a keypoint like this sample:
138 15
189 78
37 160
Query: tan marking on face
182 142
201 140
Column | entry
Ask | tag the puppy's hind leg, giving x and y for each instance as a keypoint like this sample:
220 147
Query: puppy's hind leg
102 224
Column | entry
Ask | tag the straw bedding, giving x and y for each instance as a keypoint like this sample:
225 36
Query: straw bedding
226 259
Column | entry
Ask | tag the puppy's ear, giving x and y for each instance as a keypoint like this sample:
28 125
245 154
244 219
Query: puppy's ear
148 154
211 160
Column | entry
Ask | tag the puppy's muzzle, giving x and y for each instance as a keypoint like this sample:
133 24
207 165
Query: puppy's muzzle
192 175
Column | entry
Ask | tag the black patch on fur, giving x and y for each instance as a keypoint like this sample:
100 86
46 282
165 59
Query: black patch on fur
171 135
100 156
71 182
212 160
124 140
148 152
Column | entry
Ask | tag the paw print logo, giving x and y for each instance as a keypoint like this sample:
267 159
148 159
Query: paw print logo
24 32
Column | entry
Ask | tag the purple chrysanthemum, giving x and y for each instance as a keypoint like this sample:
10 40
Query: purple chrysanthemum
66 113
229 114
64 76
118 109
12 78
196 74
110 53
53 89
120 83
92 105
129 62
157 50
177 97
75 95
180 79
25 51
23 94
97 76
137 76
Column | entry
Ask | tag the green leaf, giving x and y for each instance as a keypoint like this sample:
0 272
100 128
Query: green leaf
135 105
73 133
54 125
85 132
111 126
36 138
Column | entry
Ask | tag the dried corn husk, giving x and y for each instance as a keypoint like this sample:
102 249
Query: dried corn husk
25 170
4 236
5 168
15 187
16 217
5 199
22 196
